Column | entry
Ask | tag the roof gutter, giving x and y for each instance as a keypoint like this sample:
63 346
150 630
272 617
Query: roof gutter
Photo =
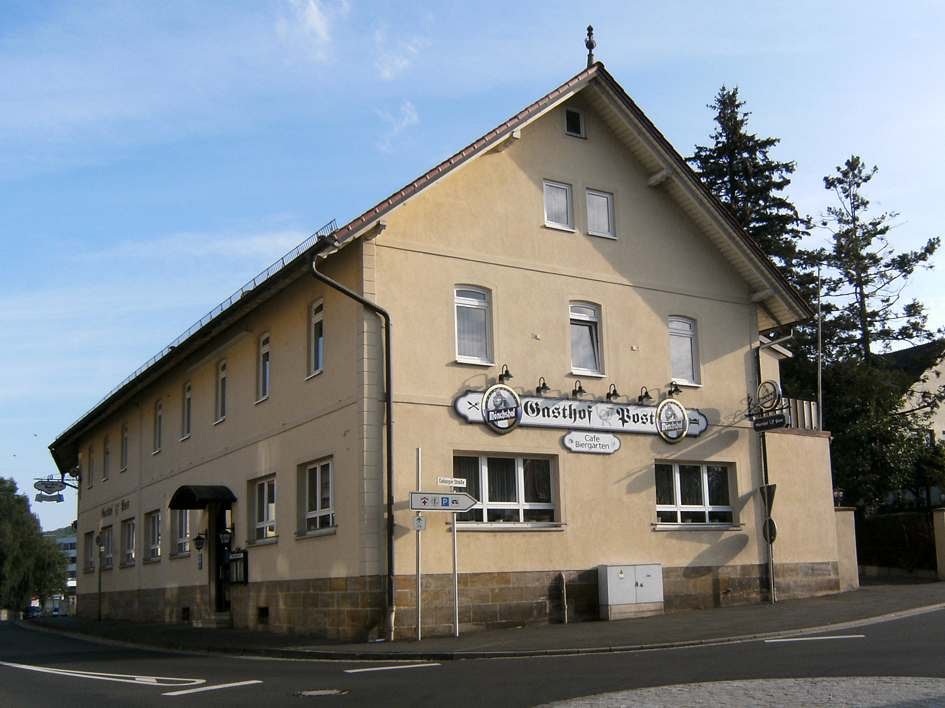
316 253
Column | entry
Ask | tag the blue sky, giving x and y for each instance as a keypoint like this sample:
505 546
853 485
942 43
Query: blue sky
154 156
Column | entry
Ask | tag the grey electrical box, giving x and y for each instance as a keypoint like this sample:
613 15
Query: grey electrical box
630 590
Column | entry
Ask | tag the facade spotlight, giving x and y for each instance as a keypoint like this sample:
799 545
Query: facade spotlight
612 392
505 374
673 389
542 387
578 389
644 395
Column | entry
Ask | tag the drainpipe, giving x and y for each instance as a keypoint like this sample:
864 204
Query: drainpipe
389 409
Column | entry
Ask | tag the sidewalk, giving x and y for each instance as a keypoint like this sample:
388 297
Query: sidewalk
672 630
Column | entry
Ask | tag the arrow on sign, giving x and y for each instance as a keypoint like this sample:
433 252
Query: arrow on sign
431 501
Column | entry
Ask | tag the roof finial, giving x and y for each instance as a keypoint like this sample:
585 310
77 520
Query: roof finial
590 44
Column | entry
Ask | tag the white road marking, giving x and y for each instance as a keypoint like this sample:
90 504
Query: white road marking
814 639
120 678
390 668
212 688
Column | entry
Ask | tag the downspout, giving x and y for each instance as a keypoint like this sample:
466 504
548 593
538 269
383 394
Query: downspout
389 410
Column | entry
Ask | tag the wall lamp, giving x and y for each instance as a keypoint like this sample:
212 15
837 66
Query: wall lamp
673 389
578 389
542 387
505 374
644 395
612 392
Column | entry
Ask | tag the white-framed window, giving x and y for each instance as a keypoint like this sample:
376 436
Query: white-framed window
508 489
108 556
152 530
219 403
319 496
123 452
128 541
574 123
683 350
106 458
559 212
600 213
263 368
90 468
181 530
696 493
265 511
473 308
90 550
158 425
585 338
316 337
186 410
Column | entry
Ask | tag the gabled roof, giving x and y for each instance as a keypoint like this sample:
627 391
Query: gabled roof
779 303
915 361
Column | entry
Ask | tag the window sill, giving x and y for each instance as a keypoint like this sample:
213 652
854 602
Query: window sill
88 571
687 384
580 136
151 561
219 420
595 234
107 567
155 452
271 541
123 469
126 564
508 526
696 527
588 374
182 438
474 362
559 227
317 533
261 400
176 556
314 374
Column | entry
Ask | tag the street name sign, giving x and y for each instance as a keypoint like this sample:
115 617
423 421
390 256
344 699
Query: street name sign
452 482
436 501
771 421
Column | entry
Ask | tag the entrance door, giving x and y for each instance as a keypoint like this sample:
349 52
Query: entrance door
219 558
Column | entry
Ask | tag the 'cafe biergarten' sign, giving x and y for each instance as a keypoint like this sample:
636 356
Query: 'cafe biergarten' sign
502 410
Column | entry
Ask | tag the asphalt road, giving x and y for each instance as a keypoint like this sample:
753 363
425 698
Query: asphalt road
40 669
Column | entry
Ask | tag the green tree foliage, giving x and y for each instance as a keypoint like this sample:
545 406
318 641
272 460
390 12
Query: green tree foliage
30 563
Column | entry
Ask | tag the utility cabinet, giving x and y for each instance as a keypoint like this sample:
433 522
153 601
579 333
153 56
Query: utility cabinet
630 590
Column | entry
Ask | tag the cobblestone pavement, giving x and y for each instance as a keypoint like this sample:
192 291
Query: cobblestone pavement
873 691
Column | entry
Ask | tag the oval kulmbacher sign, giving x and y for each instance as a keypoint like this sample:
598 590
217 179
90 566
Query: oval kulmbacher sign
672 420
501 408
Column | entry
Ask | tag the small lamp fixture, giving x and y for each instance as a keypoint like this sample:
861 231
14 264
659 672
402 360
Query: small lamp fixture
612 392
199 542
542 387
505 374
644 395
673 389
578 389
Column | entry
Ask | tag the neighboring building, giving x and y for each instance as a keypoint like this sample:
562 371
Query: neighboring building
64 603
571 244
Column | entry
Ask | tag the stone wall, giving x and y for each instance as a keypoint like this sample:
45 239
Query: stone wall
149 605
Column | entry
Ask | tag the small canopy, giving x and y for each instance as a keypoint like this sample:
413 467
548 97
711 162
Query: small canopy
198 496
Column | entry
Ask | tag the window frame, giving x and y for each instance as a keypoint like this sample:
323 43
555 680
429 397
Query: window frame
90 468
484 504
108 548
694 353
186 410
678 508
152 546
596 328
264 368
123 451
459 302
609 196
580 114
265 528
128 549
220 392
318 512
158 431
545 183
106 458
91 551
181 542
316 355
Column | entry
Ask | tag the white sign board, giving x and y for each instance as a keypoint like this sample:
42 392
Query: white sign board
49 498
437 501
452 482
49 486
596 443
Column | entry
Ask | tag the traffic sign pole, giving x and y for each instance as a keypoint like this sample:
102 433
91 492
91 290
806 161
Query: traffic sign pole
419 548
455 583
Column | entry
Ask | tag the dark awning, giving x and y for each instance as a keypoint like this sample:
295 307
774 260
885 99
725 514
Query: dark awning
197 496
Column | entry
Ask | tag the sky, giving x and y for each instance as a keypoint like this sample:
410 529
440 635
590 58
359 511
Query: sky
155 156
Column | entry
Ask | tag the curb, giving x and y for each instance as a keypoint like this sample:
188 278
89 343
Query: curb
460 654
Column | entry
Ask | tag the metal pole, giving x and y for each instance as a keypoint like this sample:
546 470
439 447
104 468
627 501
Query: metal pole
455 583
100 556
419 576
820 358
764 476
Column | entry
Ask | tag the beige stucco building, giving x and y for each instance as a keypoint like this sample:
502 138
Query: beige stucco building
571 245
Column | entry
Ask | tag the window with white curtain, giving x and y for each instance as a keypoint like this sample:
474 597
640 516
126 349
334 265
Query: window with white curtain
128 542
108 555
106 458
683 352
585 338
158 425
152 530
181 530
693 494
319 496
265 514
264 368
316 338
186 411
600 213
507 489
473 325
558 210
220 402
123 453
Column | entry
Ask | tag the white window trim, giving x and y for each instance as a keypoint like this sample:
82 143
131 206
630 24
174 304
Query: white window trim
181 542
319 511
265 347
128 550
609 196
678 507
123 450
564 115
473 304
265 521
693 348
554 224
221 394
313 319
521 505
186 411
153 544
157 431
598 330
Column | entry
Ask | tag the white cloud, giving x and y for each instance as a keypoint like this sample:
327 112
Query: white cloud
393 60
262 247
406 117
307 27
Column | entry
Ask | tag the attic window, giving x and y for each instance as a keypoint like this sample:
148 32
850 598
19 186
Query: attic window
573 123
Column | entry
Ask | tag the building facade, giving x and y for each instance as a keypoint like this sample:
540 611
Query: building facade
570 247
